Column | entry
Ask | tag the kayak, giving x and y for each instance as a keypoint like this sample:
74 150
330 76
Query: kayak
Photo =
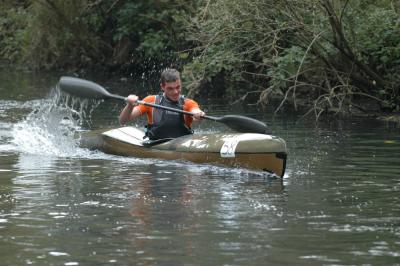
253 151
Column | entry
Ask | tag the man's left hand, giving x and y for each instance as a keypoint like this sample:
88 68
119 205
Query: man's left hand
198 114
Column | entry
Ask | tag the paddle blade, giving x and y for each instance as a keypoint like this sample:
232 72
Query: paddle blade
82 88
244 124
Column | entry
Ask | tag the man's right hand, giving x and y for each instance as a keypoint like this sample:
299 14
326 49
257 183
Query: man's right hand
132 99
129 112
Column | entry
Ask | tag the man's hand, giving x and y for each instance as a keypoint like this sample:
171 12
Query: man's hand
198 114
129 113
132 99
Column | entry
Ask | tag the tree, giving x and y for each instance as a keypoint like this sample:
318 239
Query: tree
299 50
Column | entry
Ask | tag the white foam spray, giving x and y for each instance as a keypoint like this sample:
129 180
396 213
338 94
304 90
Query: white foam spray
53 126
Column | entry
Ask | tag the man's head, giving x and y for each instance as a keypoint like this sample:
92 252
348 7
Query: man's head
171 84
169 75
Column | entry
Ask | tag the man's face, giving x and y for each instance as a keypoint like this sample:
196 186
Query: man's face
172 90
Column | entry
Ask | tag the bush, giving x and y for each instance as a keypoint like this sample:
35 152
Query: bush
80 34
13 21
300 50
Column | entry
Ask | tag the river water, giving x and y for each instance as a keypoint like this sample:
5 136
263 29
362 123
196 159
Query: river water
338 203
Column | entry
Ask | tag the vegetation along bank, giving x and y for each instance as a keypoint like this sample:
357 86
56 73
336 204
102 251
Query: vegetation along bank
316 57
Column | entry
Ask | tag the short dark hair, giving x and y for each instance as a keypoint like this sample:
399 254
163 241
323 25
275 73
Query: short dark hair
169 75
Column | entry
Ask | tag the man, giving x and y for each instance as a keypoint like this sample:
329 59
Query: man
164 123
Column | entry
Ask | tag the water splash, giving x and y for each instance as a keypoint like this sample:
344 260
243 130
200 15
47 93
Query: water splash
53 126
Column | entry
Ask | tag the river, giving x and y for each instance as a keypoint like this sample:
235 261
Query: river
338 203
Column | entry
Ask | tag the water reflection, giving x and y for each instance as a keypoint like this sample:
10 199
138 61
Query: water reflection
173 207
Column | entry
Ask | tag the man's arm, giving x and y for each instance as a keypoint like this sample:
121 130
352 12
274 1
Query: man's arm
193 107
129 112
197 114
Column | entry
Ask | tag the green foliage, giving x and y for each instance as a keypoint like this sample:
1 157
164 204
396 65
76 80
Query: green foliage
55 34
285 67
232 36
85 33
330 50
154 26
13 21
379 43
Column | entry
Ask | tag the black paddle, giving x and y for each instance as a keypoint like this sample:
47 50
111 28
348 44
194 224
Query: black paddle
89 89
